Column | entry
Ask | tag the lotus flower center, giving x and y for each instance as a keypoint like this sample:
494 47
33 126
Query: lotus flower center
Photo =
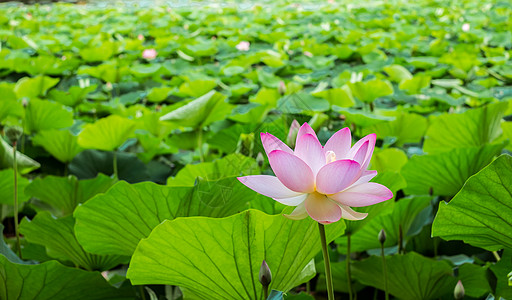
330 156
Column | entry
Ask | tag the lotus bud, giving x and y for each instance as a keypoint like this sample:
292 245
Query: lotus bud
246 144
14 133
292 134
382 236
282 88
260 159
458 292
265 275
24 102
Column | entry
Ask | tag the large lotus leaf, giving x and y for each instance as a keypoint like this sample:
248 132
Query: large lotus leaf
474 279
361 118
34 87
474 128
502 270
89 163
107 72
391 180
6 251
60 143
480 213
142 71
200 112
403 214
197 88
44 115
64 194
7 187
446 172
58 237
53 281
341 97
220 258
73 96
302 102
370 90
25 163
230 165
406 128
410 276
397 73
99 53
390 159
115 222
414 85
106 134
9 105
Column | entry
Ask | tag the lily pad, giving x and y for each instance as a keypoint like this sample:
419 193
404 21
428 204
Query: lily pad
60 143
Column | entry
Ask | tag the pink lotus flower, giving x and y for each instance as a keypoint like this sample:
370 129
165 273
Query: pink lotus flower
322 182
149 54
243 46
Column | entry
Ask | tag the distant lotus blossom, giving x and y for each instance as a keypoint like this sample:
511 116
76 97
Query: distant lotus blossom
323 182
308 54
243 46
140 37
466 27
149 54
331 1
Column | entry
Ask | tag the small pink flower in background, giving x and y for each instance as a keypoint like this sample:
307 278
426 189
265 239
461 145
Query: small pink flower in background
292 134
140 37
323 182
243 46
308 54
466 27
331 1
149 54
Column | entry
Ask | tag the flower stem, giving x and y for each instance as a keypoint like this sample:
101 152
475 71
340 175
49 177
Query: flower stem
384 270
116 175
265 291
16 225
349 274
328 276
200 144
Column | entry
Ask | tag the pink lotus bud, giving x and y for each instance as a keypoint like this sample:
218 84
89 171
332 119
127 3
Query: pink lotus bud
459 292
282 87
149 54
108 86
265 276
466 27
308 54
140 37
243 46
63 57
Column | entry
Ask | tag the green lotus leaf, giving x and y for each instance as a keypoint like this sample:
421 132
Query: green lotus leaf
7 187
62 144
425 278
51 280
64 194
228 166
115 222
58 237
106 134
220 258
415 84
397 73
200 112
25 163
479 214
474 128
445 173
406 128
45 115
34 87
370 90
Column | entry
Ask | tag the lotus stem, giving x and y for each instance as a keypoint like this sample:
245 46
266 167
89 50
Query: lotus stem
384 270
496 256
16 224
114 163
349 274
327 262
200 143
